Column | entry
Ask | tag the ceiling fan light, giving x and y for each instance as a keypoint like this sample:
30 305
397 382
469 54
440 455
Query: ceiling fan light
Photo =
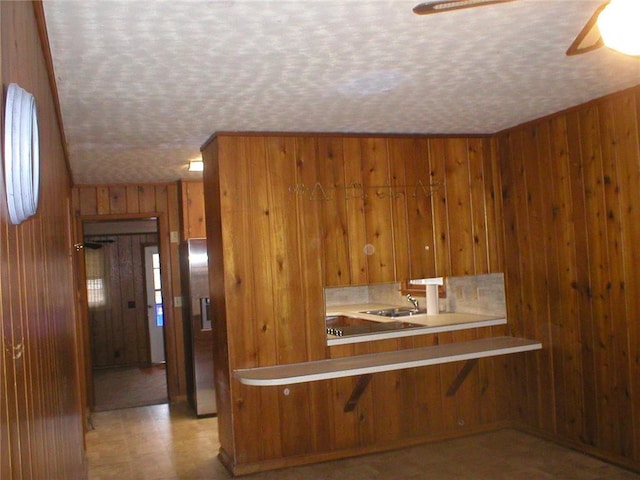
618 25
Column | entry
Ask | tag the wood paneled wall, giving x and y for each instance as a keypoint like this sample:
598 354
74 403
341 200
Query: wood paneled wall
108 202
289 214
119 329
572 230
41 426
192 209
417 204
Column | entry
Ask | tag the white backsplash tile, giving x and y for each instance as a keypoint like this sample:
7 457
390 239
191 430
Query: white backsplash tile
346 295
384 293
480 294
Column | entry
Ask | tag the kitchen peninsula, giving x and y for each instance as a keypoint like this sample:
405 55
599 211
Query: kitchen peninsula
486 296
275 250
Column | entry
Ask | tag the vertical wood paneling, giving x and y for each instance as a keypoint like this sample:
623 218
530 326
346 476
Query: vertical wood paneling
413 155
565 304
118 199
468 395
581 171
147 198
295 213
192 211
386 390
103 201
310 249
493 206
377 210
241 302
598 263
627 127
399 206
133 200
286 276
317 438
333 215
119 331
259 229
87 201
344 427
616 382
441 248
586 429
354 195
460 238
41 419
269 181
511 173
537 164
481 208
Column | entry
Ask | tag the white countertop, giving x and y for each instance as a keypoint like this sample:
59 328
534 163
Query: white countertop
383 362
443 322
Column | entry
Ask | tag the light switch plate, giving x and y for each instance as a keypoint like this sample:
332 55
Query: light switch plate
177 301
175 238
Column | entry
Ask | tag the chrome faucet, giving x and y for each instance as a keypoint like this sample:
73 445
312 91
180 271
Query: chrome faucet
413 300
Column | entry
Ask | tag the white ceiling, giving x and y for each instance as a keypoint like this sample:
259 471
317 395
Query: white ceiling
143 84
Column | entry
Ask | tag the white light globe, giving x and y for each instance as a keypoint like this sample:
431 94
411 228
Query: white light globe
619 25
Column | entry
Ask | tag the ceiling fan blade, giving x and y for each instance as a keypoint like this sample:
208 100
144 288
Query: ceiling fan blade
437 6
589 37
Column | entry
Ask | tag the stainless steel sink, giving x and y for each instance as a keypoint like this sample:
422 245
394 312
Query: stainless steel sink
396 312
340 325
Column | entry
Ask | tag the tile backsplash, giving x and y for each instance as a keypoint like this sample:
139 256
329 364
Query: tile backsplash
384 293
335 296
479 294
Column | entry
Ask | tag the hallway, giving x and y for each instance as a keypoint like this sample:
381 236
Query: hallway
168 443
127 387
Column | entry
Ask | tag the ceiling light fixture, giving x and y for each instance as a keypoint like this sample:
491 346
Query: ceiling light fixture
618 25
196 165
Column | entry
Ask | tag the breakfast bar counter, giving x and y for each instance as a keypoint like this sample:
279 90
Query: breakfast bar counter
382 362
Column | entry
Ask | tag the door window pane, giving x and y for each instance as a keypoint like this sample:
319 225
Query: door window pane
157 289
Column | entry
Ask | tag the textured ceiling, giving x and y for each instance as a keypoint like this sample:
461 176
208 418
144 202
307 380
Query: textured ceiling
143 84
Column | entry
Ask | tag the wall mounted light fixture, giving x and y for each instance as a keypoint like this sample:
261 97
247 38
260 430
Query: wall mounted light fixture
21 154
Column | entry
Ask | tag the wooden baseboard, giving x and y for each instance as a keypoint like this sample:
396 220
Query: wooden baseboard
623 462
279 463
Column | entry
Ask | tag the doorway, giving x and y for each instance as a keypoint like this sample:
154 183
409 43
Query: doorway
127 357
